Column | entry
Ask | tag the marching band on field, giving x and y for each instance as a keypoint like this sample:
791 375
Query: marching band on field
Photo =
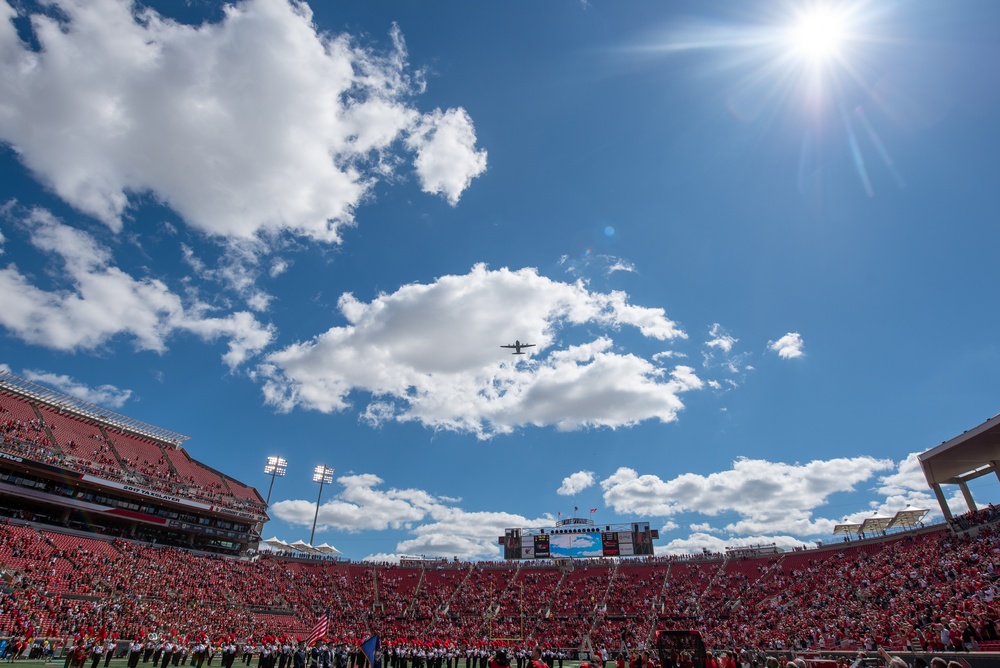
161 651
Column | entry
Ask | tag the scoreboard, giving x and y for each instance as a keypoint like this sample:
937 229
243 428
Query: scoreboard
579 539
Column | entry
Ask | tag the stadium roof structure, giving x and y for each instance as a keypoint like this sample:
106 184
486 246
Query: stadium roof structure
904 519
973 454
64 402
301 546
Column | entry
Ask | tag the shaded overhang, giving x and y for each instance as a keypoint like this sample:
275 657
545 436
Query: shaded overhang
974 453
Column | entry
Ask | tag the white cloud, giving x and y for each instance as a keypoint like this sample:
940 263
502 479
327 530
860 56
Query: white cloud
435 525
447 159
907 486
238 268
99 301
720 339
278 267
108 396
698 542
719 353
594 263
250 126
430 353
576 483
359 507
621 265
788 347
909 477
767 496
704 527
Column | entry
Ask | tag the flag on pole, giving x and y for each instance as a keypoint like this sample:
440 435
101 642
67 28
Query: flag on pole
593 510
320 629
370 649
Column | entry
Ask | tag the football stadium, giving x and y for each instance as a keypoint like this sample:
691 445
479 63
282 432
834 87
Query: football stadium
114 537
573 334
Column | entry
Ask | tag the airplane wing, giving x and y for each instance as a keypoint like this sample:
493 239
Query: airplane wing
509 346
527 345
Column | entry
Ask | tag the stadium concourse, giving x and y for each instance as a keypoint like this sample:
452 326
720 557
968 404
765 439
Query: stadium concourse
111 530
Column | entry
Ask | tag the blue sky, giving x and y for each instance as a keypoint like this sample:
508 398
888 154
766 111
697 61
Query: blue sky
753 243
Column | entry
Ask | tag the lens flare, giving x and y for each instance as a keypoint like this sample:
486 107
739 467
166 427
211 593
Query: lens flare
818 34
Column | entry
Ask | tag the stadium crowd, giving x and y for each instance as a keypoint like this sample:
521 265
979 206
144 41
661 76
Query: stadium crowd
933 590
36 432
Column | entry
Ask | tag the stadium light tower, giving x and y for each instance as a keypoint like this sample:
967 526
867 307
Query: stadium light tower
275 467
324 476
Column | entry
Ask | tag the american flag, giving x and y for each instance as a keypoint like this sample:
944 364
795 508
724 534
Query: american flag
319 631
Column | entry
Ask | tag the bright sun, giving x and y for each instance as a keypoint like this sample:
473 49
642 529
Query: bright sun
818 34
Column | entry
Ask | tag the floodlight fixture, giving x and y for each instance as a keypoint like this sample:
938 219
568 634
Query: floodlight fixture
275 467
324 476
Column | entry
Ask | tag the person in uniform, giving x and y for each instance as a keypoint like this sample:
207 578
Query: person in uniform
198 654
167 653
96 654
157 652
135 652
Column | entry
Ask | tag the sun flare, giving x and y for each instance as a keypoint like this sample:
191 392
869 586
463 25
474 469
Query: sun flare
818 34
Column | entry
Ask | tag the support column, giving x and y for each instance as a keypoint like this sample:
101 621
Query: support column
942 502
968 496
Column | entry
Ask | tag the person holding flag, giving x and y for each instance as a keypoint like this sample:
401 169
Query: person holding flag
320 628
372 651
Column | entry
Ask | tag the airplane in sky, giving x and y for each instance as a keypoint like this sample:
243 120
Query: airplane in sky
517 347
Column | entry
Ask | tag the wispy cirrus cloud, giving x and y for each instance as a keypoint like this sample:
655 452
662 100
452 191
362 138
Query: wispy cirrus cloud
105 395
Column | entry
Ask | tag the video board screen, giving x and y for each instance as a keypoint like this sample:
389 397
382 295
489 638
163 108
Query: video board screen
542 547
576 545
572 541
609 544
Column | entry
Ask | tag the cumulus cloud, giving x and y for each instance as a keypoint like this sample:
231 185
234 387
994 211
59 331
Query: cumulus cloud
97 301
576 483
254 125
447 159
906 487
767 496
106 395
788 347
360 506
392 348
699 542
774 501
435 525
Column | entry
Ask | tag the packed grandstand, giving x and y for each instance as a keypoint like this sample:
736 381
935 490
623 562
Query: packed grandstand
111 530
